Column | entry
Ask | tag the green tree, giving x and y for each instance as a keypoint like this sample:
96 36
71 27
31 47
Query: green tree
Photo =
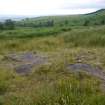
49 23
102 22
66 22
9 24
1 26
86 23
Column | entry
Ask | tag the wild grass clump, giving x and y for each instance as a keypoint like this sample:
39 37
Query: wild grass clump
62 92
93 37
32 32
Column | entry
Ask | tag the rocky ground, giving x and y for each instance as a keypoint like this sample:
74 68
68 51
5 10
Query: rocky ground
23 63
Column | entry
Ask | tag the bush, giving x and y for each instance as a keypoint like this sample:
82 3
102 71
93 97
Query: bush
9 24
86 23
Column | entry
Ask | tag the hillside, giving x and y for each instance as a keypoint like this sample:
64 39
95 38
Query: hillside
55 60
95 18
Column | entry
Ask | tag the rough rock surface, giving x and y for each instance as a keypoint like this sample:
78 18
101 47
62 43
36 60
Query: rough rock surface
91 70
23 63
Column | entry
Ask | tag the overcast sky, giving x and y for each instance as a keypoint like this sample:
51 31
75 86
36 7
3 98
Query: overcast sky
49 7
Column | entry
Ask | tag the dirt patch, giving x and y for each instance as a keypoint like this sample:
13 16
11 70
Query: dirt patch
24 69
23 63
21 57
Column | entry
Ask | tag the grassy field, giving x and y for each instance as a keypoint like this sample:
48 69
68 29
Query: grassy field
53 83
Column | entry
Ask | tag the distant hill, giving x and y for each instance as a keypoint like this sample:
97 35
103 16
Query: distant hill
95 18
13 17
102 11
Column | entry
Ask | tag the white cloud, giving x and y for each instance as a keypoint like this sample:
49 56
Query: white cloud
49 7
84 4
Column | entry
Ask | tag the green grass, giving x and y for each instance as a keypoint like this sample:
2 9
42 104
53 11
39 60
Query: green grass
89 37
30 41
32 32
53 84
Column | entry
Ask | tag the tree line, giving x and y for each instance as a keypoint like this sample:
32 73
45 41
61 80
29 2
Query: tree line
47 23
87 23
7 25
10 24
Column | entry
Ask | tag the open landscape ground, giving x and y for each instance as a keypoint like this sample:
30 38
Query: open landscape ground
59 65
